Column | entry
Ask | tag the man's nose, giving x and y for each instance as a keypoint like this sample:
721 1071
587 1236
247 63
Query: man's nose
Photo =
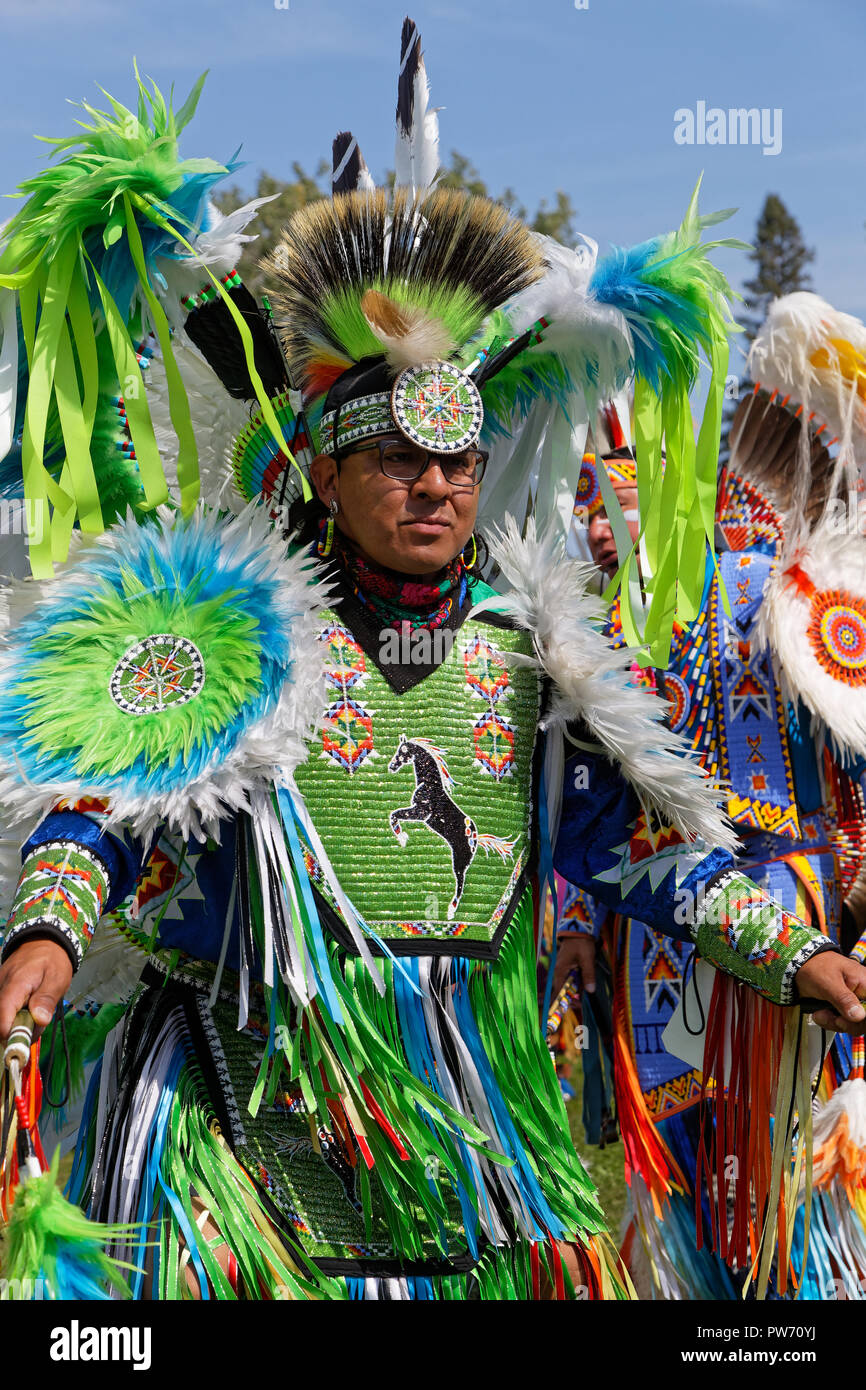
432 482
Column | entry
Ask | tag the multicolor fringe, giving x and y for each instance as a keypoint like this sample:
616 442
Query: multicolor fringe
159 1156
446 1065
518 1273
752 1173
647 1157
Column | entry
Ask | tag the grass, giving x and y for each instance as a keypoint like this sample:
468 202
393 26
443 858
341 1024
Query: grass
605 1166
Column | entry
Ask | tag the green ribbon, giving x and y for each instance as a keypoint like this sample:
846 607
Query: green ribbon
135 400
268 413
178 401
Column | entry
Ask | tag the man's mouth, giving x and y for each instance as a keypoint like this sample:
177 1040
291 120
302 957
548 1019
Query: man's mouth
607 559
430 524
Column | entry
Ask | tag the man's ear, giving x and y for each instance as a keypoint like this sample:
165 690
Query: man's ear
323 476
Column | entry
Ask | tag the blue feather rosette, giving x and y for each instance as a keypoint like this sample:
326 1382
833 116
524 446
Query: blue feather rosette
170 671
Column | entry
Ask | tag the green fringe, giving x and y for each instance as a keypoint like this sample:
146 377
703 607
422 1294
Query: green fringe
368 1049
503 1001
196 1162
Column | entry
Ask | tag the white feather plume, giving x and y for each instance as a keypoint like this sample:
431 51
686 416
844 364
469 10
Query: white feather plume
550 597
110 970
217 418
593 339
408 335
416 153
798 328
833 558
218 246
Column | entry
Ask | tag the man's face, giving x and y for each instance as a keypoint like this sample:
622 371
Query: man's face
600 535
415 528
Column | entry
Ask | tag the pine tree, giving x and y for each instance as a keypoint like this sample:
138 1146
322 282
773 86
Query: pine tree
780 257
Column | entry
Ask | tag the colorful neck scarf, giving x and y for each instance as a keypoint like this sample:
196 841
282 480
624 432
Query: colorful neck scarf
396 599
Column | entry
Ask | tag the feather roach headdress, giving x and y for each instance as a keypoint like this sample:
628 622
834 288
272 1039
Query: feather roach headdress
427 310
368 286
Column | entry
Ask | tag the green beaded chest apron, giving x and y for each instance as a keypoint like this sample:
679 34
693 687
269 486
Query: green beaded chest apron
423 799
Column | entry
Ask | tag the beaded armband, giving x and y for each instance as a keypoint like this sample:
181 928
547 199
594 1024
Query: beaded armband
209 291
61 894
740 930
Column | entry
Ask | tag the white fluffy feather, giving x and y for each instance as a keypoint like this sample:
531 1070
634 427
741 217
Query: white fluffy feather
217 419
218 247
550 597
594 340
110 970
781 358
833 560
848 1100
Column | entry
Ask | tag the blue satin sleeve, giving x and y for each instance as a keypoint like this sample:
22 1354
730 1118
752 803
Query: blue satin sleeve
605 846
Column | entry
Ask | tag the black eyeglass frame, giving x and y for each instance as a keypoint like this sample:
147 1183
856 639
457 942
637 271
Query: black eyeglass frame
381 443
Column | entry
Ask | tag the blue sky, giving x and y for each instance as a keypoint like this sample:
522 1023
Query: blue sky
539 94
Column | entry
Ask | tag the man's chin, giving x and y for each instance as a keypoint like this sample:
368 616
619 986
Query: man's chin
424 553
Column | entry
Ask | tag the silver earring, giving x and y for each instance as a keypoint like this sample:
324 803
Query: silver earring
333 506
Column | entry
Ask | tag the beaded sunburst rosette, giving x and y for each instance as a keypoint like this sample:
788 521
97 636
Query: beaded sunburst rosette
837 633
437 406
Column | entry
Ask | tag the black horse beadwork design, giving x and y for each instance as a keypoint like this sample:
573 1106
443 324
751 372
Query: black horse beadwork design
433 807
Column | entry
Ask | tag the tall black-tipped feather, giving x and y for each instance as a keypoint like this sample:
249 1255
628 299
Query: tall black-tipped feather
416 156
350 172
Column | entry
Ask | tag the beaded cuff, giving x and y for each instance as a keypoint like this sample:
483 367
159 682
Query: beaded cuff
743 932
61 894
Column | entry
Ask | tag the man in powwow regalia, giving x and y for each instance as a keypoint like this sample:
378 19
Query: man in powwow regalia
324 824
772 698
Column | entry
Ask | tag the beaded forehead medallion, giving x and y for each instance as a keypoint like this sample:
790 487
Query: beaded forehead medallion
438 406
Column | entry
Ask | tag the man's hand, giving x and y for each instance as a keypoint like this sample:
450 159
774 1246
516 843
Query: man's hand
574 950
37 976
842 982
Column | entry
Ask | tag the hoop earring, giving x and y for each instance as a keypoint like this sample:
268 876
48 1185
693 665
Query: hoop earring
472 562
326 540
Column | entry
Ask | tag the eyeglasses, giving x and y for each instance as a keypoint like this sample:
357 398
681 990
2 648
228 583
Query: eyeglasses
405 462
